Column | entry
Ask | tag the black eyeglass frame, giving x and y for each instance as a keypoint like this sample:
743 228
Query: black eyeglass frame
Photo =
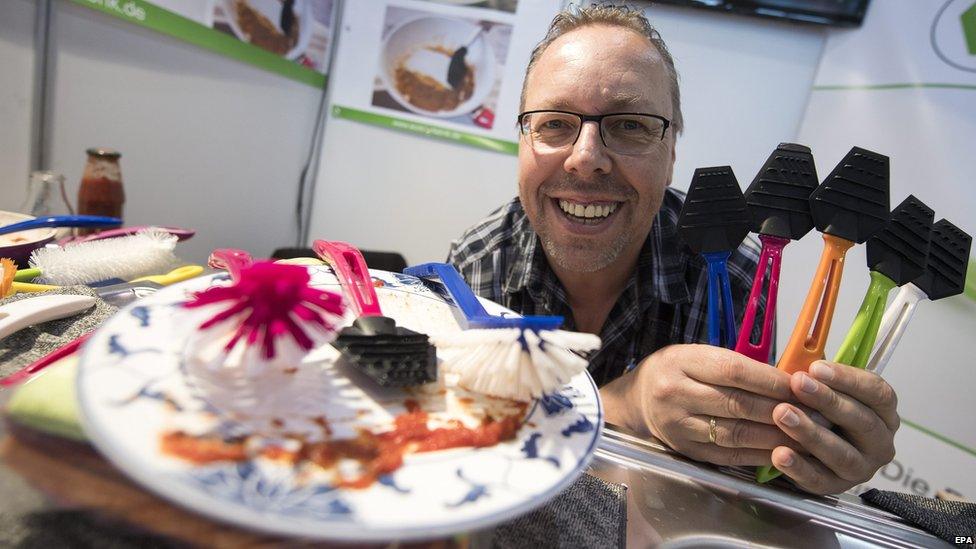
598 118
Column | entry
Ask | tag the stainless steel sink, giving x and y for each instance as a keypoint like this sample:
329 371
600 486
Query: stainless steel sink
675 502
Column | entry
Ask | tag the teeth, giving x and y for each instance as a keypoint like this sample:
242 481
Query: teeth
587 211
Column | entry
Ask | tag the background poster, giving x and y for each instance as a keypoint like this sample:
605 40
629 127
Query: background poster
393 61
904 85
293 41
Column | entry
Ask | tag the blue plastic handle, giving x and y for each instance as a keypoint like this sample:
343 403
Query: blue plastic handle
474 313
62 221
720 306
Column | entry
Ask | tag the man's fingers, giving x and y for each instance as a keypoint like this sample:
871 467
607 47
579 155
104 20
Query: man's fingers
863 386
718 366
807 473
843 459
726 402
737 433
743 457
859 423
838 408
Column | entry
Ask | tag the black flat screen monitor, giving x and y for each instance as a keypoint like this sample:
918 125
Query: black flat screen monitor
848 13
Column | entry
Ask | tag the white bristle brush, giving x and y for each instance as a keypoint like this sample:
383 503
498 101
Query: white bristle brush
520 358
144 253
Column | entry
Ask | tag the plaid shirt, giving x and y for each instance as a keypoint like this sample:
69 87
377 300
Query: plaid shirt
665 300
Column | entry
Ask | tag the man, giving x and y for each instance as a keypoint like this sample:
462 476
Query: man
592 237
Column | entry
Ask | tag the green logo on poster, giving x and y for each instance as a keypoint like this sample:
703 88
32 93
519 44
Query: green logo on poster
955 49
968 19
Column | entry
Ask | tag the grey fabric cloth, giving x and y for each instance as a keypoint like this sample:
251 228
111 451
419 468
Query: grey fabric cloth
590 513
945 519
80 529
30 344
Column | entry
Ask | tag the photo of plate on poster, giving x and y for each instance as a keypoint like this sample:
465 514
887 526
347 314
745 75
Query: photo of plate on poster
279 27
415 72
297 30
500 5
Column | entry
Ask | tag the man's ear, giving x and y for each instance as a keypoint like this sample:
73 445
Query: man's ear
671 167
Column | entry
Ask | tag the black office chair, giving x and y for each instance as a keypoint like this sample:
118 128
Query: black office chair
384 261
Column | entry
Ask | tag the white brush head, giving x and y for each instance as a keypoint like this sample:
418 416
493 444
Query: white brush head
494 362
148 252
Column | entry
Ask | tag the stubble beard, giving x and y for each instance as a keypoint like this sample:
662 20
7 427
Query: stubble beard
586 255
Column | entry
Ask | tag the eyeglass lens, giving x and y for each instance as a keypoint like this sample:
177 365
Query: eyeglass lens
622 133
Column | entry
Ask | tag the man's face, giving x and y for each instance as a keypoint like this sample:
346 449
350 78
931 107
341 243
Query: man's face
596 70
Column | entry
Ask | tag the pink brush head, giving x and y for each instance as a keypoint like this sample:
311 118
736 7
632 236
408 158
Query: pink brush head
270 301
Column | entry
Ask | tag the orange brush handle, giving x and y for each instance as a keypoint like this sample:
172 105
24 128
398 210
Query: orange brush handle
809 336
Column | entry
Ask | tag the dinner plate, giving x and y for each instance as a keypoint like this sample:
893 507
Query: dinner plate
136 389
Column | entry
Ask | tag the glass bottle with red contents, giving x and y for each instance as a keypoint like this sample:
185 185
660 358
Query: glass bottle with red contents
101 190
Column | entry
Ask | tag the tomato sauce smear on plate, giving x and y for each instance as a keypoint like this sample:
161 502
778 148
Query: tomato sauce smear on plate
378 453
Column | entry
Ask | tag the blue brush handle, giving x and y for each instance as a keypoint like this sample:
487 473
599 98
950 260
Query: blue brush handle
62 221
720 306
467 301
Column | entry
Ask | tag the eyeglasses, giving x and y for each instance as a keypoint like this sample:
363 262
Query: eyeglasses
629 133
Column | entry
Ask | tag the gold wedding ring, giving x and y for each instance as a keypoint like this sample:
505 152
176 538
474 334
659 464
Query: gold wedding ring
711 429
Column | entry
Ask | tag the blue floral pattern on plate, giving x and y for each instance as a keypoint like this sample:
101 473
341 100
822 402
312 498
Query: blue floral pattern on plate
132 389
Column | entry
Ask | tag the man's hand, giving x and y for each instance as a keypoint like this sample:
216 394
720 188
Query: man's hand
674 393
863 408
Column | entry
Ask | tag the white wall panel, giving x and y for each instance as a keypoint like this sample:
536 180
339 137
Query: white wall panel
16 104
208 143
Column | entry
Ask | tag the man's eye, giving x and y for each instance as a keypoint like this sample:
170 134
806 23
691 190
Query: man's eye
554 125
630 125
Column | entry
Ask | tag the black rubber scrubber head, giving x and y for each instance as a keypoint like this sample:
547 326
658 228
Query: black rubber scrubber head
852 202
945 269
900 249
779 196
714 217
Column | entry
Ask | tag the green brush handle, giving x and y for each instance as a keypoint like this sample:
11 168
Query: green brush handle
856 348
767 473
26 275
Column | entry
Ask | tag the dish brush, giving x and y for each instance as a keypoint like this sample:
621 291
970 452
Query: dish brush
269 316
391 355
128 257
520 358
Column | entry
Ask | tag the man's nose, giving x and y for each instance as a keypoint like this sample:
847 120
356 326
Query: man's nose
589 155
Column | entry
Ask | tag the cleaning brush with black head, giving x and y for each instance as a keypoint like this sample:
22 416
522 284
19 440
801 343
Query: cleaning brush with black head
778 201
896 256
849 207
944 275
391 355
713 221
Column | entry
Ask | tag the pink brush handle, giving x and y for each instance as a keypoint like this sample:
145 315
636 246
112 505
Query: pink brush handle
353 274
232 260
45 361
772 255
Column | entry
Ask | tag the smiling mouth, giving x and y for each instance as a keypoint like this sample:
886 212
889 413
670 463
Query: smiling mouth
586 213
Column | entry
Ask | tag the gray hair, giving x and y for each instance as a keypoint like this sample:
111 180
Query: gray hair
618 16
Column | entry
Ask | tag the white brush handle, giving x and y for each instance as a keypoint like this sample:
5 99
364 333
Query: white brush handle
35 310
893 325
